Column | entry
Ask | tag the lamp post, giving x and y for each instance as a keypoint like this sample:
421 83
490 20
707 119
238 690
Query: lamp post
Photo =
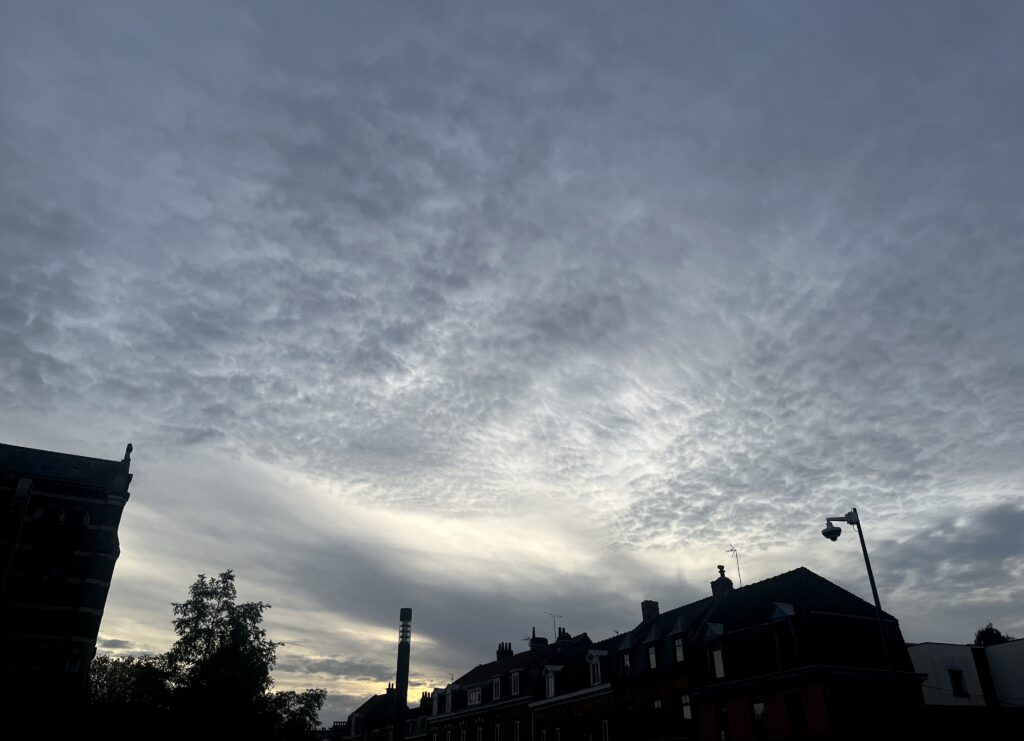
832 532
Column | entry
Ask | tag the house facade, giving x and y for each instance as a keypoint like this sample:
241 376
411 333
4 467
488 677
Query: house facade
972 691
793 656
58 545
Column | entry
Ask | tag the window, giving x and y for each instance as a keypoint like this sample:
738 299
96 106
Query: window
462 735
448 704
549 685
434 708
652 657
515 684
543 736
758 724
678 643
687 710
479 733
716 659
558 734
595 671
625 663
496 689
657 704
956 681
605 736
515 728
448 736
473 696
497 732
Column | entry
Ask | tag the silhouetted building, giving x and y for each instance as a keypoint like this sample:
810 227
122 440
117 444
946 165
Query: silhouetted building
371 721
972 691
793 656
59 545
495 700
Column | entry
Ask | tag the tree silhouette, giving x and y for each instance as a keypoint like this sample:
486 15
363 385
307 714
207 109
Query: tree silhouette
991 636
214 681
221 662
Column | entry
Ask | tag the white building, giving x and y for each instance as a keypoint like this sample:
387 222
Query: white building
1006 663
971 675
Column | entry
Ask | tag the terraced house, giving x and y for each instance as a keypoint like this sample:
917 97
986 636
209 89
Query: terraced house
791 656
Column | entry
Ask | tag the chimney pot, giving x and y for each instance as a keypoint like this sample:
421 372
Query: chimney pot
649 609
537 641
721 587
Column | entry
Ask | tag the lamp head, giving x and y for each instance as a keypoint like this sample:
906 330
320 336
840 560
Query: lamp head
832 532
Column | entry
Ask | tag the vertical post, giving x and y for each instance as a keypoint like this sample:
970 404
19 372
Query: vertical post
874 593
402 673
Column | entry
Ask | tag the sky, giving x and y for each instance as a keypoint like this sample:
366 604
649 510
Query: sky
495 310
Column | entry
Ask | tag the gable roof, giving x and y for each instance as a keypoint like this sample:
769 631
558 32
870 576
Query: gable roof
373 703
672 622
530 659
801 588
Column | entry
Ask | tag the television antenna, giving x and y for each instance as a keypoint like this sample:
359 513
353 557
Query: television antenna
736 553
554 629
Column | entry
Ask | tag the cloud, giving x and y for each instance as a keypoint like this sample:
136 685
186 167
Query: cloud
353 668
488 312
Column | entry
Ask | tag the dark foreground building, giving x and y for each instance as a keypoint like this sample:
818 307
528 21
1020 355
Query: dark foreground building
58 547
793 656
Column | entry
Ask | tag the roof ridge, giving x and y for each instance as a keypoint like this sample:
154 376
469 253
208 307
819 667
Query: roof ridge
59 453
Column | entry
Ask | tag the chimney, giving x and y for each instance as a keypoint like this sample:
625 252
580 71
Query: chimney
649 609
537 642
504 651
563 635
721 587
402 673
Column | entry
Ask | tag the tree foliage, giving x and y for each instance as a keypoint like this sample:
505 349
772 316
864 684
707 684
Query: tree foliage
991 636
215 680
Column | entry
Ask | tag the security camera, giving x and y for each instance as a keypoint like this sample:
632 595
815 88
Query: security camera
832 532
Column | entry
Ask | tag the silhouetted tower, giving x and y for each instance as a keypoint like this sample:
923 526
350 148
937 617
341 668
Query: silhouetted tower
402 675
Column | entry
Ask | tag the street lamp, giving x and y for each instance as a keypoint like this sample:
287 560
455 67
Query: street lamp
832 532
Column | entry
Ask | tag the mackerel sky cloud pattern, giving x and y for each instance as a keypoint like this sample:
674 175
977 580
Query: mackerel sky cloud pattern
491 309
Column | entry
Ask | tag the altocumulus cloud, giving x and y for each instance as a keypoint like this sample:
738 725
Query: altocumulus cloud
489 310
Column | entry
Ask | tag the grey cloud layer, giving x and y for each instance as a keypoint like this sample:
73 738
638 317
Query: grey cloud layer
699 274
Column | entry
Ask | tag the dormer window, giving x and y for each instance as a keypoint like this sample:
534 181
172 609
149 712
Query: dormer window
678 644
652 657
549 680
496 689
515 683
625 663
448 702
594 659
473 696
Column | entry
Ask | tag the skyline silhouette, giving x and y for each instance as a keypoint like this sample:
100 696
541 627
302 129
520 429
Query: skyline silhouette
506 311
